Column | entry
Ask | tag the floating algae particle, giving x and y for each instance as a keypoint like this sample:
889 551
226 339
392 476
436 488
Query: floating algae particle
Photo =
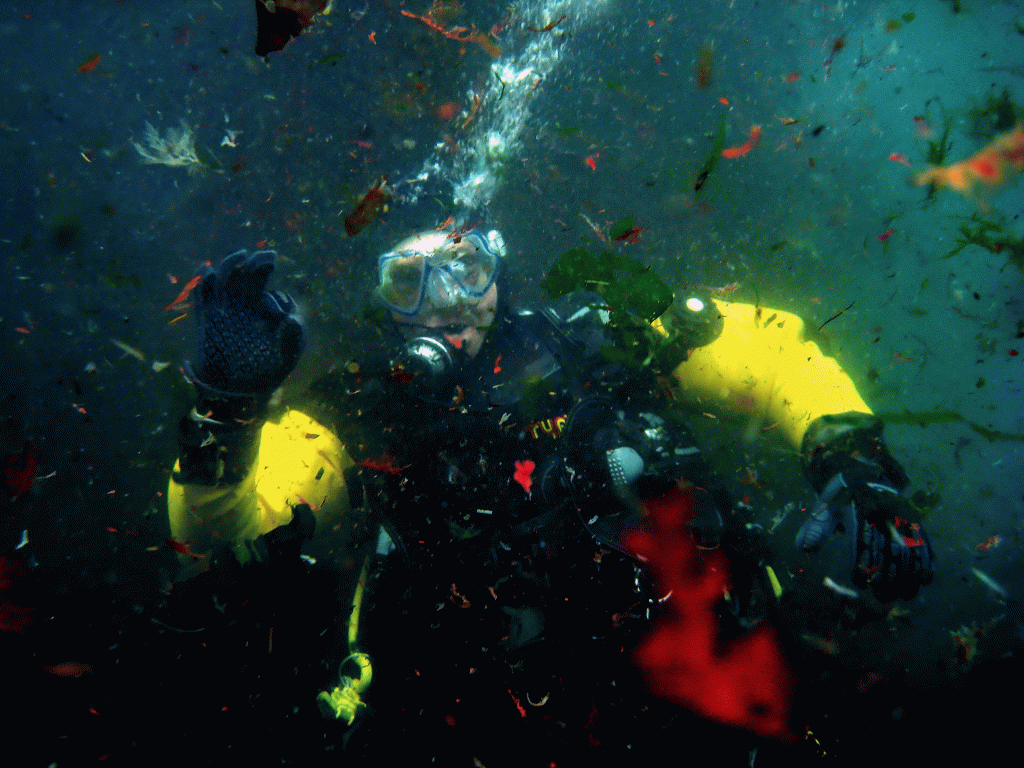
938 149
925 502
993 116
993 237
176 148
705 71
926 418
714 155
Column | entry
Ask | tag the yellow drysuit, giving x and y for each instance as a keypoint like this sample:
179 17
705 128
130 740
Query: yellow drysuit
760 363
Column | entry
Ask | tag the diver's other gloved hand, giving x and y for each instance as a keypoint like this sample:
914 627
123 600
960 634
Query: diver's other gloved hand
250 339
860 489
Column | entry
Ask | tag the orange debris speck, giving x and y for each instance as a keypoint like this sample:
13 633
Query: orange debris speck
732 152
994 165
447 111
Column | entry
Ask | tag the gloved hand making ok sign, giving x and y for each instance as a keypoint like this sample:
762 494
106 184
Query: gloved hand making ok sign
250 339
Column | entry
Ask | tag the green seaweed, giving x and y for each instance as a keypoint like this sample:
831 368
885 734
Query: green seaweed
991 235
461 533
633 293
926 418
498 77
118 280
938 149
714 155
993 116
621 228
979 236
207 160
331 58
449 208
644 295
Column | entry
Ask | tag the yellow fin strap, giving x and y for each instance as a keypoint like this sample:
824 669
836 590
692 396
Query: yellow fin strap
776 587
344 702
357 607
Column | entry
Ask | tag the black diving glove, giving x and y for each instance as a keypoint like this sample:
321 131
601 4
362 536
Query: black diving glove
860 487
249 340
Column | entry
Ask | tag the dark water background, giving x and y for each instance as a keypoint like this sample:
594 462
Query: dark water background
95 244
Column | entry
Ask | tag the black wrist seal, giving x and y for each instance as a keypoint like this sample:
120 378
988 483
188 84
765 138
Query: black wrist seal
220 439
848 442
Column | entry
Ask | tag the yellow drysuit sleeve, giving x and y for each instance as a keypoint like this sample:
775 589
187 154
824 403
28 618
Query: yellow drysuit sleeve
761 363
299 461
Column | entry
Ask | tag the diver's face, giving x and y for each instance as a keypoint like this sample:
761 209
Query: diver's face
464 326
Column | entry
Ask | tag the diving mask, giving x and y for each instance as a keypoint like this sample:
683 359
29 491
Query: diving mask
440 271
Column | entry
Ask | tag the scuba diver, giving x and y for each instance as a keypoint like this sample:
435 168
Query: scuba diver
464 478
